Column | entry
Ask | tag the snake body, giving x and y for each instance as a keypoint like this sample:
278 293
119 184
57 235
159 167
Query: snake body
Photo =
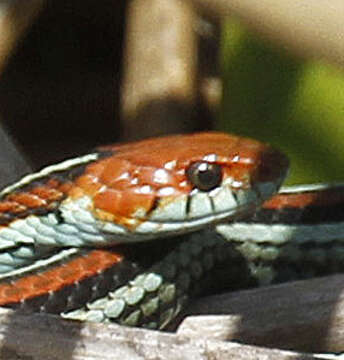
73 234
236 255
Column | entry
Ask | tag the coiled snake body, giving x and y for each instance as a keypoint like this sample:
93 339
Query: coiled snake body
130 232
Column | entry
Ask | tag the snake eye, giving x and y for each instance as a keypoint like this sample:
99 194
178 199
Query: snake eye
204 176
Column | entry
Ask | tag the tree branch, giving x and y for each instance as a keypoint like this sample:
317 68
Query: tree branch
312 28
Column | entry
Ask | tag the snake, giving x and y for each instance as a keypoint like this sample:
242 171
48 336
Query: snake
130 233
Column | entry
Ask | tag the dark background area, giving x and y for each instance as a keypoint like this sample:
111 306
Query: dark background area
59 94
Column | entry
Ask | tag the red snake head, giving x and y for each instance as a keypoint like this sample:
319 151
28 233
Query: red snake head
175 184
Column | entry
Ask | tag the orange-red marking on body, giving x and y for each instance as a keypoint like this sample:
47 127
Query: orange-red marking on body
301 200
58 277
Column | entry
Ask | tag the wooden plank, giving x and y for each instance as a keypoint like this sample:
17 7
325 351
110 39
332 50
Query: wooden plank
38 337
301 315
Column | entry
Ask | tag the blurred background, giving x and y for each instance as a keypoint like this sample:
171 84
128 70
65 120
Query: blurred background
78 74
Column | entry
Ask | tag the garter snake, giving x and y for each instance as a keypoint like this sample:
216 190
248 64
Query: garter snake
130 232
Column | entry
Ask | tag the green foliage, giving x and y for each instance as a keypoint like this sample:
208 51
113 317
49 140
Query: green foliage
296 105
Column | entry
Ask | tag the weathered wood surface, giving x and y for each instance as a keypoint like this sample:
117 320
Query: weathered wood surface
38 337
301 315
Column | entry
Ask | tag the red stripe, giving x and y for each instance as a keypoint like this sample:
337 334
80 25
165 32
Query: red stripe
52 280
301 200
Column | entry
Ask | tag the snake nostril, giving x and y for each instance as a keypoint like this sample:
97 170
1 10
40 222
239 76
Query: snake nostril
204 176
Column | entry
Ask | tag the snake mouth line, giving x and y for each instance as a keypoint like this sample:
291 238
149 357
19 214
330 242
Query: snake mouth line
170 222
180 227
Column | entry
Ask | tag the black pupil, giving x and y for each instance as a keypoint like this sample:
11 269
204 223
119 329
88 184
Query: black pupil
204 176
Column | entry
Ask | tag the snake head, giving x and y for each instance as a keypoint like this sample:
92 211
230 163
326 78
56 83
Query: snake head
174 184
